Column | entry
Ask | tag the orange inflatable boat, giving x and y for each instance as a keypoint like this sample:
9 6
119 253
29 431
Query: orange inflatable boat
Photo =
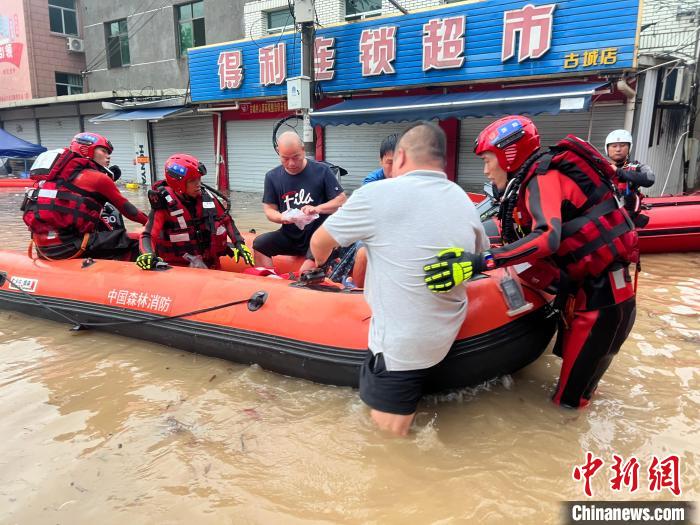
316 332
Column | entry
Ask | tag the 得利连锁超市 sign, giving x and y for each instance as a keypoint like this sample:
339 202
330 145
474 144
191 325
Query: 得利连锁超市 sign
452 44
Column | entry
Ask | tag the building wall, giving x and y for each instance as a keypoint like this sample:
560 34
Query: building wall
671 25
153 43
48 52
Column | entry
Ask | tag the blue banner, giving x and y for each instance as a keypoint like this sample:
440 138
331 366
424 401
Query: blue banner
455 44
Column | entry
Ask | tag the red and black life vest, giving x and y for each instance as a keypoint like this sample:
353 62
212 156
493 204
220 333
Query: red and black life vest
56 205
599 232
203 234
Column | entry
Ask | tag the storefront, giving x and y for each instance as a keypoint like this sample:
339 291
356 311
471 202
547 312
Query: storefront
457 64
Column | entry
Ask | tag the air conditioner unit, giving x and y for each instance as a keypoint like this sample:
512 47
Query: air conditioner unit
75 45
675 87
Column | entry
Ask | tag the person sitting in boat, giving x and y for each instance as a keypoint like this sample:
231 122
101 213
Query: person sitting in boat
189 223
631 175
399 220
386 159
559 216
299 194
63 209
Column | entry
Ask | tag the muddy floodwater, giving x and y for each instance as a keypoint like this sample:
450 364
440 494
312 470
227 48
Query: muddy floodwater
96 428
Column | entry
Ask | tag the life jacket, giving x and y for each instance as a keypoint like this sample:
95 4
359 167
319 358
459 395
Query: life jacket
57 205
182 233
595 235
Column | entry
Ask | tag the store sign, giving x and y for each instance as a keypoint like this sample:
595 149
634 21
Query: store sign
454 44
15 81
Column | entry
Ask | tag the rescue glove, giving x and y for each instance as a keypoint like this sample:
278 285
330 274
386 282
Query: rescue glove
149 261
454 267
238 251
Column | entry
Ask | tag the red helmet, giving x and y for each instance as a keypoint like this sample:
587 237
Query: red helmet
84 144
512 139
180 168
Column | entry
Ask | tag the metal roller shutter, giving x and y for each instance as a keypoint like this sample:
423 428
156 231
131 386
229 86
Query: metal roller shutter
58 132
250 153
24 129
356 148
194 136
551 127
119 134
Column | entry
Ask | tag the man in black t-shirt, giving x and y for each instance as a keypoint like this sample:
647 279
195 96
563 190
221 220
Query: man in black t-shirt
298 183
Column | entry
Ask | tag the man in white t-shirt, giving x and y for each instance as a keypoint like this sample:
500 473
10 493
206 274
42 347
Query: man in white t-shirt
403 221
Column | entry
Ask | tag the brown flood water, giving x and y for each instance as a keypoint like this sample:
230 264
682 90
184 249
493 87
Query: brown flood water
100 428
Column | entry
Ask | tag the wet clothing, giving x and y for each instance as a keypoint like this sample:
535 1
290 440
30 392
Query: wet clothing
179 225
581 246
396 392
376 175
314 185
63 212
403 221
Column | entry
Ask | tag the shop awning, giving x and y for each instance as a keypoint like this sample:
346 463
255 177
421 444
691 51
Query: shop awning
530 100
140 114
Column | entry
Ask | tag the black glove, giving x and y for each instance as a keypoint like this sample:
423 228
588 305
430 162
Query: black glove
238 251
454 267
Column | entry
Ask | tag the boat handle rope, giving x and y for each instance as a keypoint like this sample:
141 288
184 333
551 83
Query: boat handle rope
255 302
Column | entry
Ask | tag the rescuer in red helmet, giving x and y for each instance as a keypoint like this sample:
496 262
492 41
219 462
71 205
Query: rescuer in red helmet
63 208
560 216
189 223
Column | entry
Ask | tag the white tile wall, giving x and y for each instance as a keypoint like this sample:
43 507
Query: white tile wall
672 27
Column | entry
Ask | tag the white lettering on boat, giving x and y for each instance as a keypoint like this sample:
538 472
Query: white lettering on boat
143 300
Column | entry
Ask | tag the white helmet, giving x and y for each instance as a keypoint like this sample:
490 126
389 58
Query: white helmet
619 135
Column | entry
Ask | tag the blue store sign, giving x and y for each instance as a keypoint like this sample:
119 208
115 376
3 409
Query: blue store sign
454 44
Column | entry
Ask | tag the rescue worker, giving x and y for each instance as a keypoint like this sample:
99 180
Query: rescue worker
110 216
63 209
559 215
631 175
188 224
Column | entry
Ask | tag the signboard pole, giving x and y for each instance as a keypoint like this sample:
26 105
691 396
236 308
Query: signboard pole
307 69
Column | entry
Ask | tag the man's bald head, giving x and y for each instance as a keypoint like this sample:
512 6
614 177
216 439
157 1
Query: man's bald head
425 147
289 139
291 151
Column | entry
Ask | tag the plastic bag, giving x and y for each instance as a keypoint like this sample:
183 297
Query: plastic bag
195 261
299 218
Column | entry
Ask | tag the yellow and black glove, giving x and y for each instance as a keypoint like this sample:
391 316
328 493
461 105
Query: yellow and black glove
454 267
238 251
149 261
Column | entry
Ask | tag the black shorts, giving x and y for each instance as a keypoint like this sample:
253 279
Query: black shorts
279 243
396 392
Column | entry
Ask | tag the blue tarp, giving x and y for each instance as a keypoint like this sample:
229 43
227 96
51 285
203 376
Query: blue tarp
139 114
11 146
530 100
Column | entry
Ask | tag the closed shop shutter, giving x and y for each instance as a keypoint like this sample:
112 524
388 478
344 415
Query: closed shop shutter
552 128
194 136
24 129
250 153
356 148
58 132
119 134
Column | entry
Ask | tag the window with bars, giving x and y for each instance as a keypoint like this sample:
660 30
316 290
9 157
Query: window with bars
68 84
117 43
190 20
63 17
